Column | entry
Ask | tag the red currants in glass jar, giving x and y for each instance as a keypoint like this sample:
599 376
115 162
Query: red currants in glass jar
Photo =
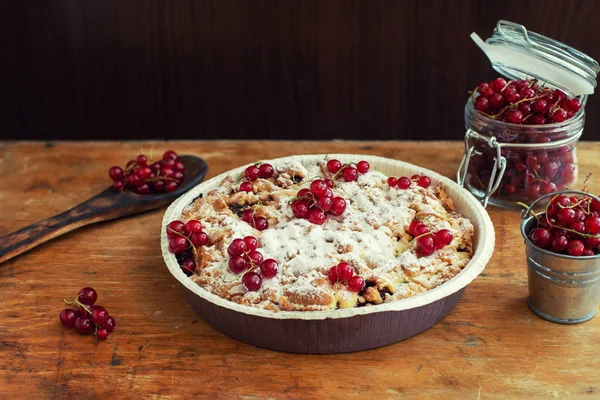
519 149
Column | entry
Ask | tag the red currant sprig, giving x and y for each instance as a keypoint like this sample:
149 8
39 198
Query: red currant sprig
523 102
185 236
404 182
349 172
143 175
344 273
244 256
253 172
258 223
87 318
569 225
315 203
427 241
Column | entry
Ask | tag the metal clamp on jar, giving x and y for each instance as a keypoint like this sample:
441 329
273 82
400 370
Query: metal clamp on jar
505 163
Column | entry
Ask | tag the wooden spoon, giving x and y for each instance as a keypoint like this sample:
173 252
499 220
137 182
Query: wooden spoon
107 205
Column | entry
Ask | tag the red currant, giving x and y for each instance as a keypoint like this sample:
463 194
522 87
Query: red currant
179 167
333 166
246 187
178 244
356 284
425 245
304 193
252 281
254 257
170 154
68 317
540 237
251 242
559 115
269 268
575 248
109 325
194 226
338 206
99 315
83 325
325 203
265 171
317 216
350 174
300 209
318 187
87 296
566 216
237 264
362 167
188 266
175 228
559 243
199 239
115 173
247 215
261 223
102 333
392 181
424 182
332 275
170 186
237 247
251 173
403 182
442 238
344 271
593 225
412 228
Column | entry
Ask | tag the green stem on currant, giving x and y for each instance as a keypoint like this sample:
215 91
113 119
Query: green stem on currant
78 303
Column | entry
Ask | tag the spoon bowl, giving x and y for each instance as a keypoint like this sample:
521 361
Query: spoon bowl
108 204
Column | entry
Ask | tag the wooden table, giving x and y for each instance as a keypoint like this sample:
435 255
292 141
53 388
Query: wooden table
489 346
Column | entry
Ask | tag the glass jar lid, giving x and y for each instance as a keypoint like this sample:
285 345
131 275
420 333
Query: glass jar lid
518 54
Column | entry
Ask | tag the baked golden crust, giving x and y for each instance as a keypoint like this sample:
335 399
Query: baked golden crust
371 235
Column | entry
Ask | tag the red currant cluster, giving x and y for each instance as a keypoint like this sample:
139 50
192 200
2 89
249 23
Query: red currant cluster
569 225
349 172
427 241
404 183
258 223
142 175
524 102
529 173
243 257
182 238
253 172
87 318
315 203
343 272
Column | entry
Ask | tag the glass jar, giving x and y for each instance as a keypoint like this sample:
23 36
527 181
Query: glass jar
506 163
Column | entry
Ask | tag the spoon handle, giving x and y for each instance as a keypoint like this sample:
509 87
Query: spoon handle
96 209
33 235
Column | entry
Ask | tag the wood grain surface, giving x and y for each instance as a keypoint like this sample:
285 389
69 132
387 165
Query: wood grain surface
259 69
490 346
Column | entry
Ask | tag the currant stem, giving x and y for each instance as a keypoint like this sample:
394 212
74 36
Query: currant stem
77 302
186 238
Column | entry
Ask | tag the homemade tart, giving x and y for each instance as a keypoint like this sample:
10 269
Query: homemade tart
371 235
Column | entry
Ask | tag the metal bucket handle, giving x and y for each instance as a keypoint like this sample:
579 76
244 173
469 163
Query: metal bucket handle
525 213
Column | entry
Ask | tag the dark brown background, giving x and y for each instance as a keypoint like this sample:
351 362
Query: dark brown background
319 69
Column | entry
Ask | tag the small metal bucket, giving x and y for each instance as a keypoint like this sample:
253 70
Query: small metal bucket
562 288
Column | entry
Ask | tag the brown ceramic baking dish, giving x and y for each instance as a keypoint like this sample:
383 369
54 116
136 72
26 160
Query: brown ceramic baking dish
343 330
